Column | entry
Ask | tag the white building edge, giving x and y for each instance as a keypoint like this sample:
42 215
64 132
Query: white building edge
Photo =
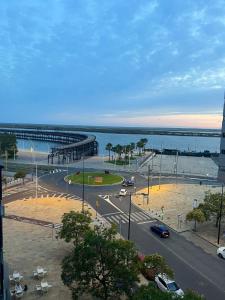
221 171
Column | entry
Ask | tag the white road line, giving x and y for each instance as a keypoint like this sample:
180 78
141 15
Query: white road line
114 219
144 214
134 218
150 221
139 218
109 214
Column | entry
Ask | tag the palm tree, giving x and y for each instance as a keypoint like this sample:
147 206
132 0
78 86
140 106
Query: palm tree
144 142
140 146
119 150
109 147
132 147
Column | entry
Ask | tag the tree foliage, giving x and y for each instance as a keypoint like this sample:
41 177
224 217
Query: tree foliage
101 265
20 174
75 226
196 215
8 145
154 264
211 206
108 147
149 292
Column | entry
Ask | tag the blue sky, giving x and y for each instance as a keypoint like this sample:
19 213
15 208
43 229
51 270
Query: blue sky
112 62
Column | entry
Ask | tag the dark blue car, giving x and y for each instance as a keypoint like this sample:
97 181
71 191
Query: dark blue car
161 230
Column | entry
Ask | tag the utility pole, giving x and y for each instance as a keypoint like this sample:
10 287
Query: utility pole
128 236
83 183
1 241
160 168
220 216
36 194
148 178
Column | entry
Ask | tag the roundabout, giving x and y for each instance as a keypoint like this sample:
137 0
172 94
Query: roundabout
94 178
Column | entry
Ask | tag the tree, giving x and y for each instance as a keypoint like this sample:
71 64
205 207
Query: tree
211 206
144 141
150 292
8 145
118 149
20 174
108 147
140 146
196 215
154 264
75 226
132 147
101 265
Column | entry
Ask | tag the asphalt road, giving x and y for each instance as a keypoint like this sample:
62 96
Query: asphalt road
193 267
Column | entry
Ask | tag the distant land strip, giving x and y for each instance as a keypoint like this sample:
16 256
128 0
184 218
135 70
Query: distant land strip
119 130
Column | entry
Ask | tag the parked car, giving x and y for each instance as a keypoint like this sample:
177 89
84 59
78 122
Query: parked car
221 252
127 182
166 284
161 230
123 192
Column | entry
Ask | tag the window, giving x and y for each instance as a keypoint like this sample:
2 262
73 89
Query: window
162 281
172 286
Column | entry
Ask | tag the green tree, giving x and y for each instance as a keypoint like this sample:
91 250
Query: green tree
118 149
132 147
150 292
196 215
20 174
211 206
8 145
75 226
101 265
140 146
144 141
154 264
109 147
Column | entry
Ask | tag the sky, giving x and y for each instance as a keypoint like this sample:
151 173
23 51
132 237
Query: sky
145 63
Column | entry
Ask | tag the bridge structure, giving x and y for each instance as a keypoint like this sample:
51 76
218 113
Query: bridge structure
70 146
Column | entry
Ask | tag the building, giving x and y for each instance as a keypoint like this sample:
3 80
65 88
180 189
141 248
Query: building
221 172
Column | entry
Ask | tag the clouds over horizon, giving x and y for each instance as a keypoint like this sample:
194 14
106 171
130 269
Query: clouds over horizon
61 59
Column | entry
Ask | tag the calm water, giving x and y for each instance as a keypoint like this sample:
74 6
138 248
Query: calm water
155 141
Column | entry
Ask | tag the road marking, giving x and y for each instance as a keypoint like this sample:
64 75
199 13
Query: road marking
150 221
183 260
110 202
109 214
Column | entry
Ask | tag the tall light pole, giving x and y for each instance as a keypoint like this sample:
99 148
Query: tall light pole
148 178
1 241
83 183
36 194
128 235
220 216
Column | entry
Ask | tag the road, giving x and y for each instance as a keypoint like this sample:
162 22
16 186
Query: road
193 267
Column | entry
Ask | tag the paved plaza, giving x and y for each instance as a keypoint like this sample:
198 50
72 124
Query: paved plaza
28 245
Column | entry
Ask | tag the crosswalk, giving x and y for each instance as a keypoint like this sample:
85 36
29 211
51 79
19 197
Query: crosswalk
138 217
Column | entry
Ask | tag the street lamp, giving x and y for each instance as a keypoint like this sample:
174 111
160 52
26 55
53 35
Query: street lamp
1 240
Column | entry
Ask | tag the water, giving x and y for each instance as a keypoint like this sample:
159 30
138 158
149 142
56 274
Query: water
184 143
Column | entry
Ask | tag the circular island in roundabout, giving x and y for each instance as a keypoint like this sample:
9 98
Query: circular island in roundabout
94 178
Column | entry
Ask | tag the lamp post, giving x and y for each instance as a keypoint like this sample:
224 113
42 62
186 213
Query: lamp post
148 178
1 240
83 184
128 236
220 216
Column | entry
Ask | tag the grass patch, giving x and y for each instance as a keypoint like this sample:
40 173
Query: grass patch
94 178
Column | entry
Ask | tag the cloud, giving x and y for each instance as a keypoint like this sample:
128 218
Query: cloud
145 11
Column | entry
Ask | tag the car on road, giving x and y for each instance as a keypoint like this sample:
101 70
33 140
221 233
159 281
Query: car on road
127 182
221 252
123 192
161 230
165 284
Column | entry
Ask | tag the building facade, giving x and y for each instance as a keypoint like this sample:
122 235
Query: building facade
221 172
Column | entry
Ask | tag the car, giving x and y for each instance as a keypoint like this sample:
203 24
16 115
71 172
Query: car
221 252
161 230
127 182
123 192
165 284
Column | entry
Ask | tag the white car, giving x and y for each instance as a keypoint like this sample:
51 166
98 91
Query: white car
221 252
123 192
166 284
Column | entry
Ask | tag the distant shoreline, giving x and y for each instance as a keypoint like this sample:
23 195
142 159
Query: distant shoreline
119 130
